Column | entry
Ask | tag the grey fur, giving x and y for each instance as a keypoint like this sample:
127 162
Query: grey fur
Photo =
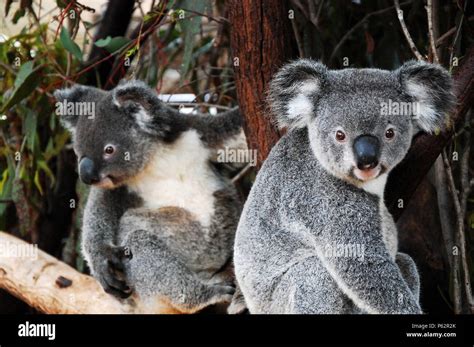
164 254
307 201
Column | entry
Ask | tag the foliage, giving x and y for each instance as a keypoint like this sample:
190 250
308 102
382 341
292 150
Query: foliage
43 57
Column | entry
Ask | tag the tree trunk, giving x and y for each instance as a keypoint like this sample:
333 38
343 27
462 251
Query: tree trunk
261 40
114 23
406 177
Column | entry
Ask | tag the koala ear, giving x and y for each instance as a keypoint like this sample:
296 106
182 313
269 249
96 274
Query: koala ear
64 96
140 100
150 114
294 90
75 94
431 87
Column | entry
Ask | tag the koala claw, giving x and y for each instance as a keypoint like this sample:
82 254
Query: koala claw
223 292
111 274
115 287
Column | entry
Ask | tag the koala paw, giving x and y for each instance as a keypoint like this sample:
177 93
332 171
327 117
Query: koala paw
222 293
238 304
110 271
237 307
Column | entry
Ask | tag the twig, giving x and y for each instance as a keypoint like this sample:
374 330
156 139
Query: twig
465 191
458 31
358 24
429 12
211 18
406 32
242 173
445 208
460 202
309 12
299 43
456 262
450 32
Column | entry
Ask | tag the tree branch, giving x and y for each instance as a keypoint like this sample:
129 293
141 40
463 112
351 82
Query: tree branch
406 32
425 148
431 35
49 285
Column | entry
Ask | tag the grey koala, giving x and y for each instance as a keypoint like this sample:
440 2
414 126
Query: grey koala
315 235
160 219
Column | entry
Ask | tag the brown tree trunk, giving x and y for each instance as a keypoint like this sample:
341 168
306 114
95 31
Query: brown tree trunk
406 177
261 40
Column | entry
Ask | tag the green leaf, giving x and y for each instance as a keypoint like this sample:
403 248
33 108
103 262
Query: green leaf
131 51
112 44
87 24
203 49
61 3
25 83
37 182
7 186
25 70
190 25
43 166
29 129
4 180
18 14
69 44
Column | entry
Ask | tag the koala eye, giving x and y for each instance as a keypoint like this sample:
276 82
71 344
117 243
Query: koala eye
389 133
340 136
109 149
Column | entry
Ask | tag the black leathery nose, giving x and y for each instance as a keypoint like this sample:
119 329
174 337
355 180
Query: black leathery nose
366 151
87 171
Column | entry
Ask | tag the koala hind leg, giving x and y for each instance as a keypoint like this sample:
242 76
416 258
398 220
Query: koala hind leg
155 272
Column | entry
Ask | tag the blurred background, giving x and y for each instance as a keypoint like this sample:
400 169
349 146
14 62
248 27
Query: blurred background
190 52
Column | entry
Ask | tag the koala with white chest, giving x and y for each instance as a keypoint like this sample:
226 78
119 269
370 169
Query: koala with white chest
315 235
160 219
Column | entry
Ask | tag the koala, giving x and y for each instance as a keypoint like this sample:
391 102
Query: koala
315 236
160 219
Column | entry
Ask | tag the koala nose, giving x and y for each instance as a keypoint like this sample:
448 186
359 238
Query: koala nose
367 151
88 172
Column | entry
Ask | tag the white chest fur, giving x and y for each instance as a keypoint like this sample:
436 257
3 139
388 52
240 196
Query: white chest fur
389 229
179 175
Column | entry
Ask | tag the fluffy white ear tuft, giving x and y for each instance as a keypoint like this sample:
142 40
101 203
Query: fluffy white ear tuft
431 87
294 91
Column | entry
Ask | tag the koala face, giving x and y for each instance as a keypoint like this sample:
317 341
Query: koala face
116 138
361 121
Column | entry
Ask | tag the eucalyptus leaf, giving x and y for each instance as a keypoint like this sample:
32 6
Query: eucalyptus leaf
25 83
112 44
69 44
29 129
190 25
